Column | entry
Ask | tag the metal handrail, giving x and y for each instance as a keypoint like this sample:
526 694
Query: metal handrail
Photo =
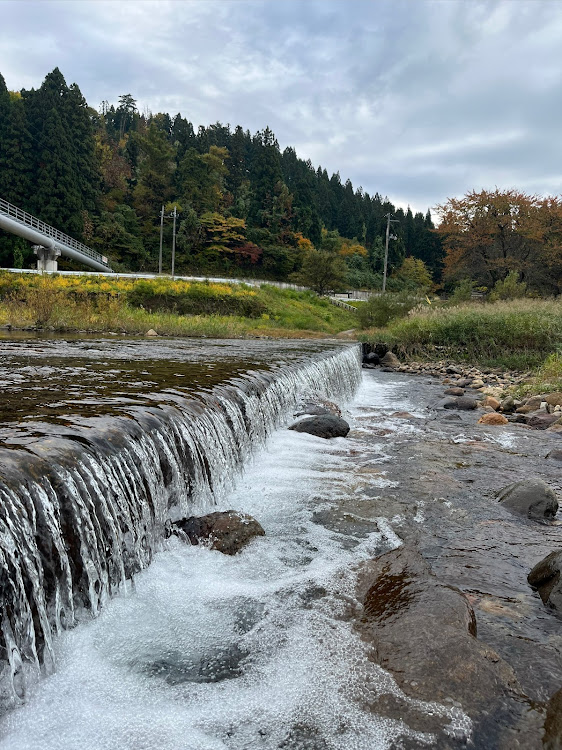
32 221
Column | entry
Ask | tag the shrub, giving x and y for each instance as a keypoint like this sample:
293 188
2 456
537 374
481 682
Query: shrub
381 310
508 288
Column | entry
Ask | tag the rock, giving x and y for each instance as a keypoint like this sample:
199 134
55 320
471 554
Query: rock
151 332
540 420
464 403
534 402
390 360
454 392
317 406
225 531
545 578
555 453
554 399
452 417
508 405
423 632
324 426
372 358
491 401
493 418
464 382
530 497
453 370
552 738
477 383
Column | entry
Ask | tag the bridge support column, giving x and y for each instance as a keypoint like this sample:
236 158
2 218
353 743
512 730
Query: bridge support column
46 258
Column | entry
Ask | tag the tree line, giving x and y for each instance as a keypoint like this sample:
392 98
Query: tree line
243 205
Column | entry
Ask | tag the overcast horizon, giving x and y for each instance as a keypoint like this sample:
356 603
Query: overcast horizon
418 101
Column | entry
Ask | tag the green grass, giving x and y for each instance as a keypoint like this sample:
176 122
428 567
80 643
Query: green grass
514 334
59 304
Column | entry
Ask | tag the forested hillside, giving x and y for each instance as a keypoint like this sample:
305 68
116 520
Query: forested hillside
244 206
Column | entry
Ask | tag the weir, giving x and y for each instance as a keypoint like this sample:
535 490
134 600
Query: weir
81 513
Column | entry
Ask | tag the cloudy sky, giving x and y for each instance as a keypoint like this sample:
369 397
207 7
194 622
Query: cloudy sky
419 100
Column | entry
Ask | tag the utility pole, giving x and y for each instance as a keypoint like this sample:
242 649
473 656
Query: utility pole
388 222
174 242
161 234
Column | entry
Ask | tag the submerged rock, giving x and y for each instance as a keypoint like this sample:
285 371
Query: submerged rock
530 497
226 531
324 426
423 632
545 578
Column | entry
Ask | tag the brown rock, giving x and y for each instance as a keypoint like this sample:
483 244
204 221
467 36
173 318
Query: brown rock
225 531
540 420
491 401
552 739
554 399
555 453
493 418
454 392
151 332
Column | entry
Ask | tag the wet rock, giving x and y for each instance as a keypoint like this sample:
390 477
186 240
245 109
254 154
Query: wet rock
454 392
464 403
552 739
545 578
372 358
530 497
452 417
226 531
555 454
316 407
423 632
540 420
390 360
493 418
324 426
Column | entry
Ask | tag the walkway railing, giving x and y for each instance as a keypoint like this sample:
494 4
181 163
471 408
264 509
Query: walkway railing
61 239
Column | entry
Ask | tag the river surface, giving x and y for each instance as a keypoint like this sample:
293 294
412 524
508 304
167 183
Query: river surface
205 652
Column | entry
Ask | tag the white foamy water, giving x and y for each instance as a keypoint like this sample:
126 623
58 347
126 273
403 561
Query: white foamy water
209 652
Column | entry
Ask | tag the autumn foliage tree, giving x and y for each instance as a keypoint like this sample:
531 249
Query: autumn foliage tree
489 234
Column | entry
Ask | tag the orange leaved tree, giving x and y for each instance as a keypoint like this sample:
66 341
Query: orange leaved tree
489 234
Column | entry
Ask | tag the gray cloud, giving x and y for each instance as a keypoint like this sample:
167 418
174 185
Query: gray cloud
415 100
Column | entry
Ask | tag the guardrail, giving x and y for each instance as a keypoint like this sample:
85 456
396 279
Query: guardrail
21 216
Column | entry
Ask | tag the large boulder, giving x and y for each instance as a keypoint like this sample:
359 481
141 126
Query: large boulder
324 426
530 497
423 631
545 578
226 531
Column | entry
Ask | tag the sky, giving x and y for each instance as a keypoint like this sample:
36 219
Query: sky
418 100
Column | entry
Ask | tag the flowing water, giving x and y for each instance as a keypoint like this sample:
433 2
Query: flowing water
201 651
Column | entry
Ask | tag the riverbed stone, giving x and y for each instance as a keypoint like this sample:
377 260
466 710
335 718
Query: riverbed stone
225 531
491 401
554 399
324 426
532 498
493 418
454 391
390 360
151 332
555 454
424 632
540 420
463 403
545 578
508 405
552 738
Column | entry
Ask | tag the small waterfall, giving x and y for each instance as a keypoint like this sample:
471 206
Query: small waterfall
81 514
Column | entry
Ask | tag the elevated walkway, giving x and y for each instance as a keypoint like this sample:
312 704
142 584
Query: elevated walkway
49 242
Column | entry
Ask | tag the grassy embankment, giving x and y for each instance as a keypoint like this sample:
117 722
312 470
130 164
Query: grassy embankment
518 334
172 308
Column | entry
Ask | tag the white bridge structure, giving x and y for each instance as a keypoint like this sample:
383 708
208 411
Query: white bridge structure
49 243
